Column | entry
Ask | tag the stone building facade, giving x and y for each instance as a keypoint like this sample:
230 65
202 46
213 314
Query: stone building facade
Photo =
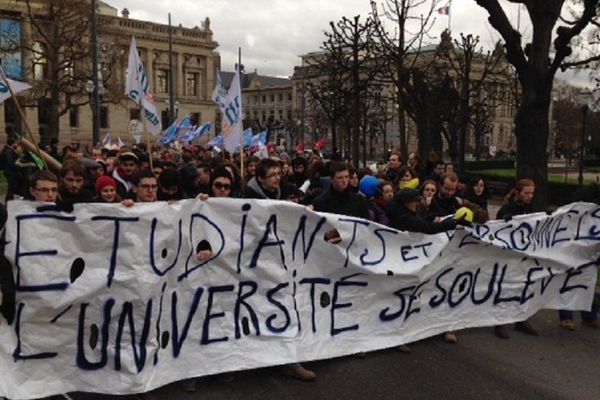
194 60
499 134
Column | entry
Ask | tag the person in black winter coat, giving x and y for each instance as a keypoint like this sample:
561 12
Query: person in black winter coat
445 202
477 193
339 198
403 215
517 202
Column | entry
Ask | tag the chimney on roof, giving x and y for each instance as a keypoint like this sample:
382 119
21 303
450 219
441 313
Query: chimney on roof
125 13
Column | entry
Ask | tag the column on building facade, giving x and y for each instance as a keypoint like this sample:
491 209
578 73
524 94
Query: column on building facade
148 64
179 76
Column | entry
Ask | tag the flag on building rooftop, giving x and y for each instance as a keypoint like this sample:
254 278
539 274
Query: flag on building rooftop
444 10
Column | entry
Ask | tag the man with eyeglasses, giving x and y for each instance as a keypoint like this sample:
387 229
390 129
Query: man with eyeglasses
266 183
43 187
146 186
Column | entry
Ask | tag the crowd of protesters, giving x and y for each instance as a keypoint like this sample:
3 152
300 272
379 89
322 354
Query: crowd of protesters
414 196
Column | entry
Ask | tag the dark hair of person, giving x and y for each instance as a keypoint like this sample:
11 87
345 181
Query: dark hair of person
144 173
74 166
364 171
299 161
404 169
336 167
265 165
169 177
469 193
438 163
43 175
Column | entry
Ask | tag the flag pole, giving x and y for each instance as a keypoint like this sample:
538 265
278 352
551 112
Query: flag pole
23 118
450 16
239 70
147 141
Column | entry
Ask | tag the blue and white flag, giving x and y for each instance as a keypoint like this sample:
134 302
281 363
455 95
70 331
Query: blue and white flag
216 142
259 138
16 87
231 108
169 135
137 88
196 133
184 127
248 137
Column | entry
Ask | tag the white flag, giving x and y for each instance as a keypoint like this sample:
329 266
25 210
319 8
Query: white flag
106 141
16 87
231 108
137 88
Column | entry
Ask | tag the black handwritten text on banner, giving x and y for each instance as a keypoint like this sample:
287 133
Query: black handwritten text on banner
109 294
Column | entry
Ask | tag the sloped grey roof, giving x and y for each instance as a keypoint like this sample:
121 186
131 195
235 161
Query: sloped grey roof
246 79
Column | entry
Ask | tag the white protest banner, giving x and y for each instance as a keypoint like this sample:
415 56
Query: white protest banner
137 88
114 294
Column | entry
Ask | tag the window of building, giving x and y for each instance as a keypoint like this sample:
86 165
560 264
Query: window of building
164 118
69 71
134 113
264 98
256 99
280 96
289 97
74 117
40 62
162 77
196 118
104 117
191 84
264 116
272 98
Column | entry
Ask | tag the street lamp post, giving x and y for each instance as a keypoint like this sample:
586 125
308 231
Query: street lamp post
94 91
584 111
588 101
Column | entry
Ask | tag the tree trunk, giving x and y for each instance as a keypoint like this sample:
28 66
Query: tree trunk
532 159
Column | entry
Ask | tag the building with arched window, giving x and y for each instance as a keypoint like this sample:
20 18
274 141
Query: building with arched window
27 56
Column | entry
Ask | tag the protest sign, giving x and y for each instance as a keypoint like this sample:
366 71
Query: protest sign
113 300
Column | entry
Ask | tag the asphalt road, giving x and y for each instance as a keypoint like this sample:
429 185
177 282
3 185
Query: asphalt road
556 365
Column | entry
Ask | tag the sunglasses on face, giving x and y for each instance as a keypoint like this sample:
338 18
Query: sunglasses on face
221 186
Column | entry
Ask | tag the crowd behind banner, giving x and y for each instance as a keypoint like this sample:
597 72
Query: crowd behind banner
413 195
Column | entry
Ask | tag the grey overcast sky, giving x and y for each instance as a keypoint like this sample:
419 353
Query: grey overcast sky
273 33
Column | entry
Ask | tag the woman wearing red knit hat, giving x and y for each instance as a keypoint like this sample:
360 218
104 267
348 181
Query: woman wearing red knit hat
106 190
